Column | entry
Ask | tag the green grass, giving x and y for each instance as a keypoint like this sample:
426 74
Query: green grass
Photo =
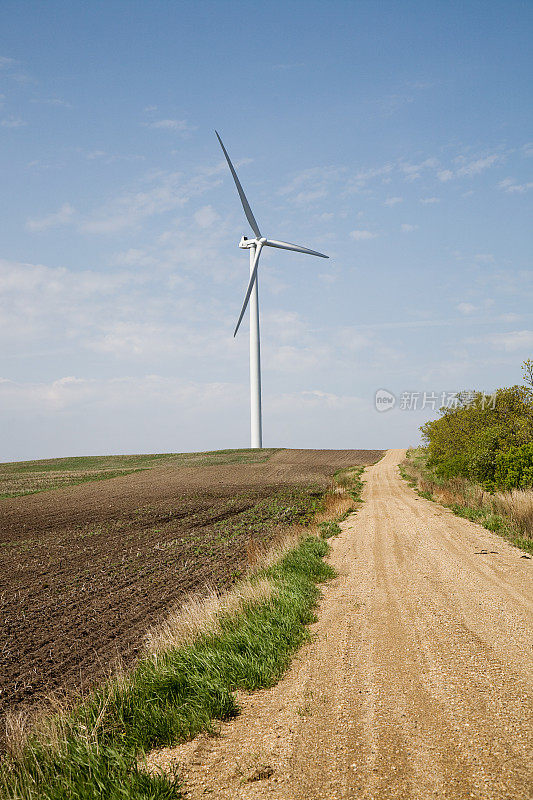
495 523
171 698
289 506
329 529
350 479
29 477
484 515
144 461
59 482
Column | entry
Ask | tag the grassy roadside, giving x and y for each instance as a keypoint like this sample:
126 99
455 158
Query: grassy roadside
187 680
351 484
509 514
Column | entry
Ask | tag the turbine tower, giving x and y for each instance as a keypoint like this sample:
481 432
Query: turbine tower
255 246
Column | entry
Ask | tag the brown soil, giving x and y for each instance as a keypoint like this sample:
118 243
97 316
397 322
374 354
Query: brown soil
417 684
86 570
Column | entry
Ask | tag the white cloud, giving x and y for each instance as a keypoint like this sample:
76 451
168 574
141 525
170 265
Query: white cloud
313 399
53 305
466 308
206 216
55 395
356 183
71 392
510 317
130 339
316 182
13 122
62 217
134 257
361 236
23 278
310 184
511 186
354 341
407 228
6 62
128 317
294 359
308 197
445 175
177 125
38 165
469 169
392 102
478 165
109 158
512 341
285 325
284 67
52 101
413 171
167 192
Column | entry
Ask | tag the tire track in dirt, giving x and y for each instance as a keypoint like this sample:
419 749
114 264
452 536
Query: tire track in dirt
418 682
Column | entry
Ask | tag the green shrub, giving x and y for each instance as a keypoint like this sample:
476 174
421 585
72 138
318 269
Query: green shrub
514 468
470 439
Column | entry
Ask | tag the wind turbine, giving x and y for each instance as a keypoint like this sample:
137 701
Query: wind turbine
255 246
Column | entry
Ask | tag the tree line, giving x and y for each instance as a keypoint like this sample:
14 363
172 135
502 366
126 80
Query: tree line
487 439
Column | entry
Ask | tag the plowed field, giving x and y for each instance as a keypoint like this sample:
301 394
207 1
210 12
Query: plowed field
85 570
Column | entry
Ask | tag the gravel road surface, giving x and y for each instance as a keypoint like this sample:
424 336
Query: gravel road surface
417 682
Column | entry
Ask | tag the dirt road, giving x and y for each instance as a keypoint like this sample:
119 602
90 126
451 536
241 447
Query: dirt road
417 683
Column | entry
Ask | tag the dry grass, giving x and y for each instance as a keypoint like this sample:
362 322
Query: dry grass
46 722
515 507
51 720
203 615
444 496
17 725
337 504
200 616
518 506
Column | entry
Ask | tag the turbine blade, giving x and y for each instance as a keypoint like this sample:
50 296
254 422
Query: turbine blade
253 275
246 206
295 247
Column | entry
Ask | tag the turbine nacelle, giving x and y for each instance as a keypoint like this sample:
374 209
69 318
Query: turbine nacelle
246 243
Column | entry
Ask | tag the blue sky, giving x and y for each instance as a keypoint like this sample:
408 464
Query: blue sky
394 136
